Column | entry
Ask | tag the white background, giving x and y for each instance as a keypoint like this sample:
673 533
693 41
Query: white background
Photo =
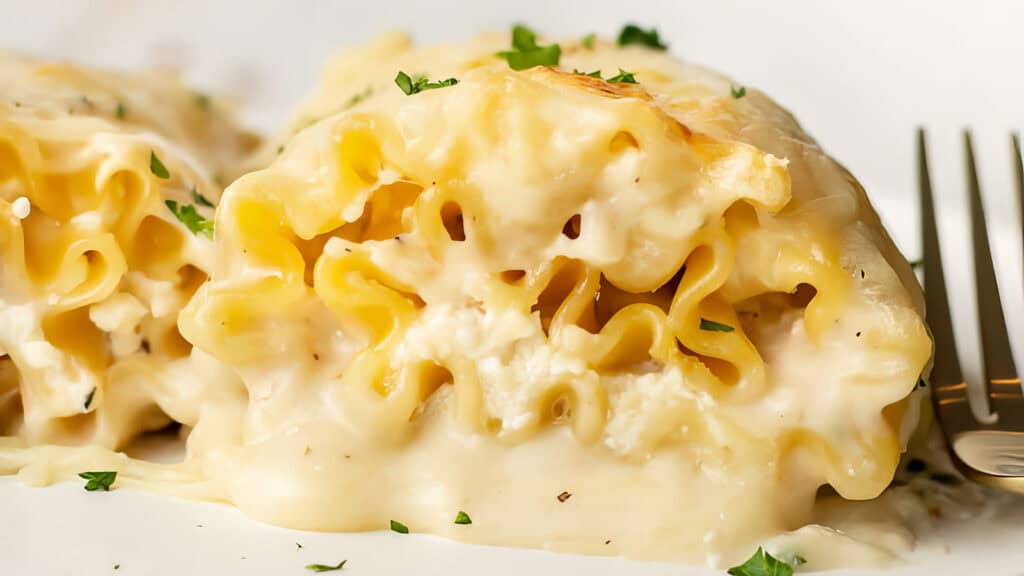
861 76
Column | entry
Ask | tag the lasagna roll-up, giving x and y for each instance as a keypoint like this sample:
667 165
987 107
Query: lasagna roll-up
642 315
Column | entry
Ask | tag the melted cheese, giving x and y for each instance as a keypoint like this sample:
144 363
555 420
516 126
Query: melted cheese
664 301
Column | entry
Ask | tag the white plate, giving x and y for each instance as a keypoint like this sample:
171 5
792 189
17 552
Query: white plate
861 78
63 530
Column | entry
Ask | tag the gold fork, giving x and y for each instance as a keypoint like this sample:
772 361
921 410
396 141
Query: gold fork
991 452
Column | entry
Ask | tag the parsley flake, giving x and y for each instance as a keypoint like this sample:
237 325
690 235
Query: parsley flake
738 91
633 34
325 567
397 526
157 167
120 111
98 480
357 98
200 199
623 77
712 326
526 53
201 100
414 86
589 40
463 518
191 218
764 564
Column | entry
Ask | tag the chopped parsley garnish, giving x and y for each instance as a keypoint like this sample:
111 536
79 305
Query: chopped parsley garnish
397 526
712 326
357 98
200 199
738 91
623 77
89 397
157 167
120 111
463 518
191 218
764 564
525 52
325 567
633 34
98 480
202 101
411 86
588 41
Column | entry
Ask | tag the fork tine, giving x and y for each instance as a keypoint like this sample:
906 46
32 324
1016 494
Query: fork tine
1001 379
949 389
1019 165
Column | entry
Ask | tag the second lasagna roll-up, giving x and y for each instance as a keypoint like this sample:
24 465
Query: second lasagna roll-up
106 180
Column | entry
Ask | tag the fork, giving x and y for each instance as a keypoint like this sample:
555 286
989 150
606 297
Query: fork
990 451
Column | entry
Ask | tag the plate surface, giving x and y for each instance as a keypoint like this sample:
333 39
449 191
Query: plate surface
856 77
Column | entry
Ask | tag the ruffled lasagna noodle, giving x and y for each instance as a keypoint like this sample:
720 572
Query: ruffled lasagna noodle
642 319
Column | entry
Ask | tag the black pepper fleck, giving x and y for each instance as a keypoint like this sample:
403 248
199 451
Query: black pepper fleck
862 273
564 496
858 334
945 479
89 397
